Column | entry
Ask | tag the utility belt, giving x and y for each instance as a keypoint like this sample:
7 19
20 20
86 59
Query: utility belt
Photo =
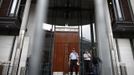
73 59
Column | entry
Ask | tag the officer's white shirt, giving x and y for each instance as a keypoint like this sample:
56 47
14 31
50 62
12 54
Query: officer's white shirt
73 56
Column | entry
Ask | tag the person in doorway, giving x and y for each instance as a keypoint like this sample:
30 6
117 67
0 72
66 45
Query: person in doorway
87 62
96 60
73 60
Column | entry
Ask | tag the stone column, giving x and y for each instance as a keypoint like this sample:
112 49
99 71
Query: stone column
103 44
38 37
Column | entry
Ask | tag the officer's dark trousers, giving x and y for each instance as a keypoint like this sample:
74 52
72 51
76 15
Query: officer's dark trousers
73 65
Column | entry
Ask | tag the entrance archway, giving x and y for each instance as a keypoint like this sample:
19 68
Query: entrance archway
63 44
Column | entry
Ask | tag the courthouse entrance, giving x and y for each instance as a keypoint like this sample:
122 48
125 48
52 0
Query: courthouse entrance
63 44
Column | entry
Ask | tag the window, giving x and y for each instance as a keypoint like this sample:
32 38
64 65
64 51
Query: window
122 10
1 3
126 10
